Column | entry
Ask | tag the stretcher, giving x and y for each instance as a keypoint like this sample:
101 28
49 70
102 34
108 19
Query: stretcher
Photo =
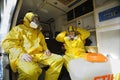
81 69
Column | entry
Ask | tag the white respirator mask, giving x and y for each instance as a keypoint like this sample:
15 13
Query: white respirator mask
33 25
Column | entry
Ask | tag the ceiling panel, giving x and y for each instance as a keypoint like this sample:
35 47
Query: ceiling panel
65 2
46 9
52 12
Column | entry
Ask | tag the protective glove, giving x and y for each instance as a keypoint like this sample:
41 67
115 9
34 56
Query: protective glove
26 57
47 52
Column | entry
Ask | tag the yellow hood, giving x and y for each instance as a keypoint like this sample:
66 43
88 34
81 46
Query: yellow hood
28 18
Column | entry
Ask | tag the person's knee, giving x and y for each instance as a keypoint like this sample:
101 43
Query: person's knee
29 75
33 72
29 69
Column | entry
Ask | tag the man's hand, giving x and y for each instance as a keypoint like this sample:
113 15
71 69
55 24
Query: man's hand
26 57
47 52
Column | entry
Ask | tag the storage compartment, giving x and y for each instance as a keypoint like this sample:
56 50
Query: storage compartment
70 15
84 8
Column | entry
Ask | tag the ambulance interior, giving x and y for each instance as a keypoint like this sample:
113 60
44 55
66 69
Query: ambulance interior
100 17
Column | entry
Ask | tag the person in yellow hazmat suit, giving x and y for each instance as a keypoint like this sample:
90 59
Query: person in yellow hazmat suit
74 41
26 47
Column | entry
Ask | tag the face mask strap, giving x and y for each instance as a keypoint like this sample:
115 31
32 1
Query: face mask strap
28 19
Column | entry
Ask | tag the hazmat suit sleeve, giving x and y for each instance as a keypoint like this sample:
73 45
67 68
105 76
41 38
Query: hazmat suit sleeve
60 36
84 33
12 44
42 42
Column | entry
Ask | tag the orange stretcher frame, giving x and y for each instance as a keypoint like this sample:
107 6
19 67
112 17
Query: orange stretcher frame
104 77
96 57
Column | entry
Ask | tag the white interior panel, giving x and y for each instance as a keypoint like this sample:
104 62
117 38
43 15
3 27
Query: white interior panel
88 22
109 43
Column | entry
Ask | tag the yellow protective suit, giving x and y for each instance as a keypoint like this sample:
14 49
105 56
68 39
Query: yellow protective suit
23 39
74 48
116 76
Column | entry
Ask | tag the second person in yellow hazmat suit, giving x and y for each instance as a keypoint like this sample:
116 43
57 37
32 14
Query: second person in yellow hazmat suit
26 47
73 40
